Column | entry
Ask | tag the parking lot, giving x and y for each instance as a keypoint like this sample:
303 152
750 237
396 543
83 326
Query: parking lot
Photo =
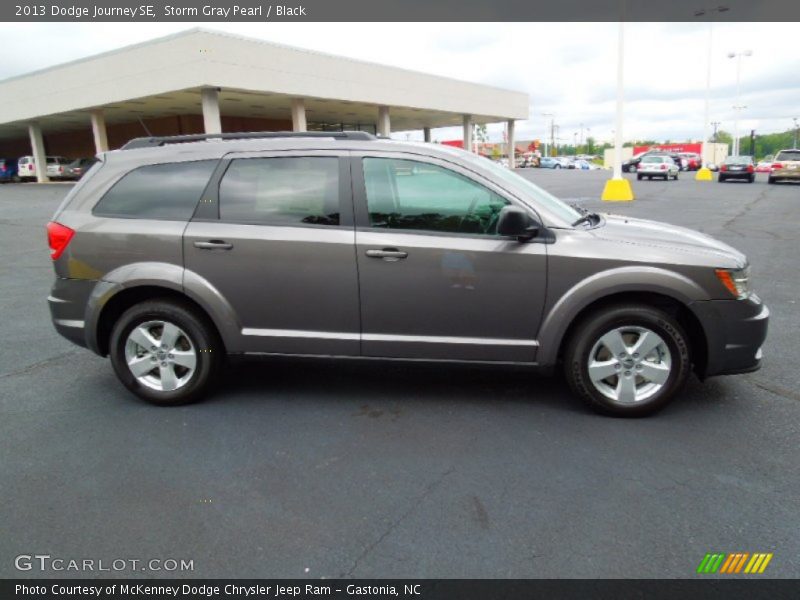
315 469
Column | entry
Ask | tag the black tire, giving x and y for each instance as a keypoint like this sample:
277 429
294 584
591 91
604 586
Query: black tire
639 176
721 179
676 176
770 180
200 333
751 179
593 327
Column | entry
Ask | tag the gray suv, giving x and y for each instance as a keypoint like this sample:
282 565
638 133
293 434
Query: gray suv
172 254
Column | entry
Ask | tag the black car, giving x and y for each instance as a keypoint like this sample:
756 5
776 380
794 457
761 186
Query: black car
737 167
77 168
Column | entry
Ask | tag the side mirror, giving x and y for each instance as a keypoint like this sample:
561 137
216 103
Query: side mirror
515 222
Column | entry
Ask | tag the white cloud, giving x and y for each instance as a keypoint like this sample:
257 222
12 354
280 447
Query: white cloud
567 68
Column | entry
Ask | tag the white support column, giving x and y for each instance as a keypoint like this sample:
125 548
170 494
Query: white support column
426 132
468 133
39 157
209 98
512 149
99 131
384 123
298 114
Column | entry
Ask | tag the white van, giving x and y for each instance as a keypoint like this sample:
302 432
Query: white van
56 167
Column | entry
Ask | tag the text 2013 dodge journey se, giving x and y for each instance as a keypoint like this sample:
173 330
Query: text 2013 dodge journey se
173 253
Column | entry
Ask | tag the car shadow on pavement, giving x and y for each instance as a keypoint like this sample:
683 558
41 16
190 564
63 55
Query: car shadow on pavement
305 379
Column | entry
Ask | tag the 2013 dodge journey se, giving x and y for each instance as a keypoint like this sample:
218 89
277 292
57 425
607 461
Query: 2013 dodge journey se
173 253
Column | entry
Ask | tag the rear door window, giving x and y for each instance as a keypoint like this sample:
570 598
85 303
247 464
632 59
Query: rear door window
168 191
298 190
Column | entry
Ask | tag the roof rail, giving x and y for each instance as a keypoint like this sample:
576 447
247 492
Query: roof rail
156 141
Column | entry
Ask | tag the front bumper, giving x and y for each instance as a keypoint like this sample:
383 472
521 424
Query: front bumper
735 330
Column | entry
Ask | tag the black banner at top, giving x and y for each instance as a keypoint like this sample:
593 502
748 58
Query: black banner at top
152 11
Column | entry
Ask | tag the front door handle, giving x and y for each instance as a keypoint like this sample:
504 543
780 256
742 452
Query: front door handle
213 245
387 254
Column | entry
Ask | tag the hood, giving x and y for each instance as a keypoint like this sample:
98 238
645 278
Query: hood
663 235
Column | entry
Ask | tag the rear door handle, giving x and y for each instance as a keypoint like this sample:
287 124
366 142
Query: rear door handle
213 245
387 254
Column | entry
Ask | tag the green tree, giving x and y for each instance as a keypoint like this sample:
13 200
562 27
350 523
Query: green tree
591 147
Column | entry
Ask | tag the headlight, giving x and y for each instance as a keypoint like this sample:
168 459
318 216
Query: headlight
736 281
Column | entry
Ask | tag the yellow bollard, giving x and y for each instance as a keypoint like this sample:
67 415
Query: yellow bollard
617 190
704 174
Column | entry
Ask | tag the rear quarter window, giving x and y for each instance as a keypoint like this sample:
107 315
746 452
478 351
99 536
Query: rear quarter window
168 191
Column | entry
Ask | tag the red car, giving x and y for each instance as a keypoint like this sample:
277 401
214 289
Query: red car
763 167
690 161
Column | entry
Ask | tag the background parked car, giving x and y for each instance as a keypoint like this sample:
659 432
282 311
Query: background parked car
764 166
78 167
8 169
786 166
632 164
584 165
690 161
737 167
657 165
55 167
549 162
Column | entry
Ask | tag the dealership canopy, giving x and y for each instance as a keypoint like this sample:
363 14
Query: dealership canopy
205 81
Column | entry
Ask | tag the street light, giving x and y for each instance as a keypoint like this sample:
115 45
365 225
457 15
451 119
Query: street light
552 135
738 107
795 132
704 174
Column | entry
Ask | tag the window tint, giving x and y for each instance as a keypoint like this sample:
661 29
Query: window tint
166 191
405 194
788 155
284 191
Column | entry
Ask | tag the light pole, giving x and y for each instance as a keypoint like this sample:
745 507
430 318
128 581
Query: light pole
549 151
704 174
738 107
618 188
795 132
715 124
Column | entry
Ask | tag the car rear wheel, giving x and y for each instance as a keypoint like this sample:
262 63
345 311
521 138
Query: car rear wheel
770 180
639 176
627 360
164 352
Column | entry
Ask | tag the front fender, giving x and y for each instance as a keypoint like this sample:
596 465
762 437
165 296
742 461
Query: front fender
604 284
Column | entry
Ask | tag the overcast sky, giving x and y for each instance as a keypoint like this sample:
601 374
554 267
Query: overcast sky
566 69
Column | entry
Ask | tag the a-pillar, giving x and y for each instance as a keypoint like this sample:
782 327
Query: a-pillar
209 98
39 157
298 114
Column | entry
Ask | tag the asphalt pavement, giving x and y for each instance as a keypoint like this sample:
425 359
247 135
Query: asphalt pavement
316 469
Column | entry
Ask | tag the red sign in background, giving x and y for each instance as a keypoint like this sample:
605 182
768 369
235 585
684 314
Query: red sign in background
695 147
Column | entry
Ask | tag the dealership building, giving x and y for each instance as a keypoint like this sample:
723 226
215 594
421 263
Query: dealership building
202 81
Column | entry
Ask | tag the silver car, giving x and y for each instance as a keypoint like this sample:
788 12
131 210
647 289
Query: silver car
173 253
656 165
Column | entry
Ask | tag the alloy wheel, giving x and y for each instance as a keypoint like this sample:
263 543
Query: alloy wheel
160 355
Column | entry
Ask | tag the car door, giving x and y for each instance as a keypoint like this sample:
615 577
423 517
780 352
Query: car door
274 238
436 281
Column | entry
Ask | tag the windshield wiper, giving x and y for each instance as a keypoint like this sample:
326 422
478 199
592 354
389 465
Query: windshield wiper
588 217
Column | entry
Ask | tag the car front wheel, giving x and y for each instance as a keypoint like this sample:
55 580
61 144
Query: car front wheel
627 360
164 352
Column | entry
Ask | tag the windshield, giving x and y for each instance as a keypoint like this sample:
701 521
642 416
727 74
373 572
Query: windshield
788 155
563 210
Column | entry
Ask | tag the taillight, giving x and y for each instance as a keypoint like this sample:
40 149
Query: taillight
58 237
776 166
750 168
723 168
663 167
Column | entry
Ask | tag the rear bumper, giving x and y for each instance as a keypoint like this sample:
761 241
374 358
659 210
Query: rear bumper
67 301
785 174
735 331
736 175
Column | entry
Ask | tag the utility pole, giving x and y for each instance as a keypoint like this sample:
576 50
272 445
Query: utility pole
753 143
715 124
738 107
795 132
